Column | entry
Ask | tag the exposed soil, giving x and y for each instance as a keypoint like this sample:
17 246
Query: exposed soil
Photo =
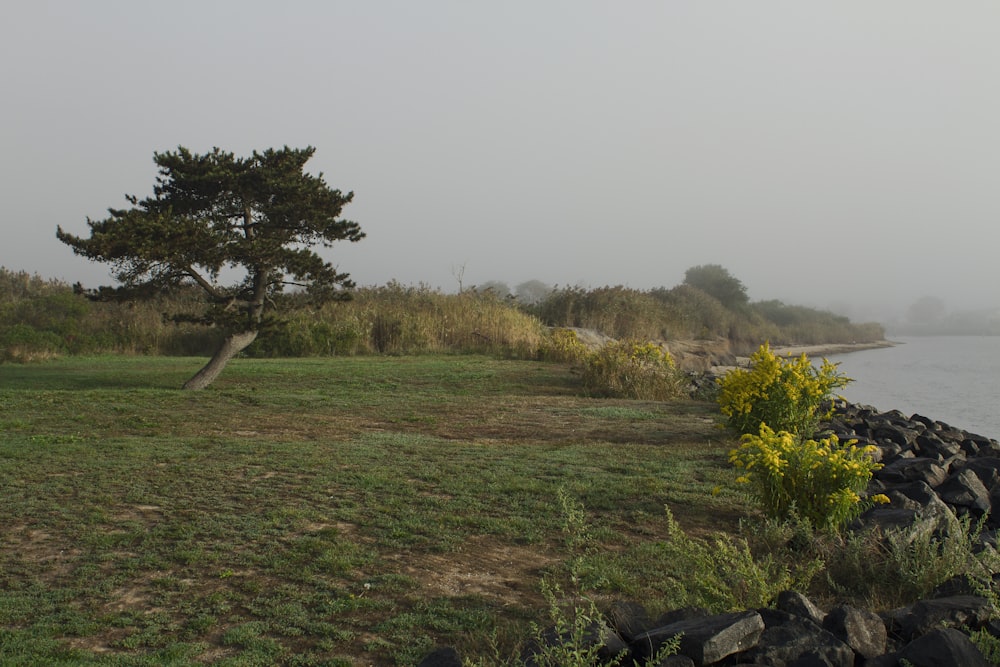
502 572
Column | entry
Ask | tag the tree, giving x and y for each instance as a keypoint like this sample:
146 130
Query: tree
497 287
926 310
256 218
532 291
715 280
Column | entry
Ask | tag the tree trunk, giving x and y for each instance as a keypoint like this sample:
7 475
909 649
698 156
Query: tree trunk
233 345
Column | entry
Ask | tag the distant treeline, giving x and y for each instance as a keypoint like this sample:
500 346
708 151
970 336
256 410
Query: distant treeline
42 318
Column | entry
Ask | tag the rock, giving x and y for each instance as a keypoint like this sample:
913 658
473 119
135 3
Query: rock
966 491
919 492
705 640
987 468
932 446
963 584
943 647
797 604
792 640
862 630
983 446
958 610
628 619
682 614
904 437
924 470
917 524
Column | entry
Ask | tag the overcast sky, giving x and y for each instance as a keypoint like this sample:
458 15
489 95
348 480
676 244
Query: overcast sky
826 153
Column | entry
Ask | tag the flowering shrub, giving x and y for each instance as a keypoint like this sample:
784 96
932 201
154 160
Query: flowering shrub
821 480
785 394
629 369
562 345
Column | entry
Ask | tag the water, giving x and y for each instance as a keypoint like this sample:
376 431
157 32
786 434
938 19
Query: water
953 379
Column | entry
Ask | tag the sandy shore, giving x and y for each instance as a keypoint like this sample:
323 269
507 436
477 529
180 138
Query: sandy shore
811 351
829 349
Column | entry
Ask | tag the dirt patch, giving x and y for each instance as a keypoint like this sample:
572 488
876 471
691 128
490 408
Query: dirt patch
52 556
506 573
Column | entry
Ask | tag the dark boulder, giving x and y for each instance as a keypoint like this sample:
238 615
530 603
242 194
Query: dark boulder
965 492
792 602
987 468
862 630
970 611
903 470
628 619
942 647
793 640
705 640
930 445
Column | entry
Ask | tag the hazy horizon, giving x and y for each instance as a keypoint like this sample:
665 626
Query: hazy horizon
837 155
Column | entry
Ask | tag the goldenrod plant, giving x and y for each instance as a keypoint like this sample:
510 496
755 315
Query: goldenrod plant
562 345
632 369
786 394
819 480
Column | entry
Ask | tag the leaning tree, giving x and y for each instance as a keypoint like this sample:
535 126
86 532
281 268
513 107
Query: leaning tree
240 229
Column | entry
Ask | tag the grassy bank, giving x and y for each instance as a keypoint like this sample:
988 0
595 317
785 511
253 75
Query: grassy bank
354 510
42 319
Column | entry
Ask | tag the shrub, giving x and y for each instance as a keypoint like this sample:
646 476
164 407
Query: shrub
785 394
721 573
619 312
21 343
694 313
630 369
819 480
562 345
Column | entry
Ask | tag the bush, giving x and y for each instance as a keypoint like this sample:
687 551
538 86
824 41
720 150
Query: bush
820 481
619 312
629 369
21 343
721 573
694 314
784 394
807 326
562 345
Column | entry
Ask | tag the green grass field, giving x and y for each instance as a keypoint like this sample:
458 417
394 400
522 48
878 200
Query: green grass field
345 511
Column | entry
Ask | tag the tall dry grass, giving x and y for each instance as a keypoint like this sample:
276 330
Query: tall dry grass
399 319
40 318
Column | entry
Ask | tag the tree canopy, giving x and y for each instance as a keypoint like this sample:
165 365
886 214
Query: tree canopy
716 280
215 215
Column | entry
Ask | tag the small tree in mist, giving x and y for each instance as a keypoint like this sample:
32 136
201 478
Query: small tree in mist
531 292
257 217
497 288
926 310
716 280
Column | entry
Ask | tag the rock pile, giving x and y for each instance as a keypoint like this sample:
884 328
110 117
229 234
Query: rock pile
933 474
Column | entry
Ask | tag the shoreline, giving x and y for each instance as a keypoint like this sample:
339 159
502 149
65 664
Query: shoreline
824 349
812 351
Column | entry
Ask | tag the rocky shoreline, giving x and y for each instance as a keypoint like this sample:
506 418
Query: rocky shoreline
934 474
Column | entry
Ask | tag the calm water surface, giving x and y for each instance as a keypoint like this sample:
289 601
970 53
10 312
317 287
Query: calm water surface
953 379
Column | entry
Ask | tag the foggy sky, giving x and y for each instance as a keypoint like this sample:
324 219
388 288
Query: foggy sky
827 153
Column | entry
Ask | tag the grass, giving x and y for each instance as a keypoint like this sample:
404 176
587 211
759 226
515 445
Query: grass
337 511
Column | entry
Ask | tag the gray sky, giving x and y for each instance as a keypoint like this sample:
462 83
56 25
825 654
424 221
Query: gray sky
826 153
